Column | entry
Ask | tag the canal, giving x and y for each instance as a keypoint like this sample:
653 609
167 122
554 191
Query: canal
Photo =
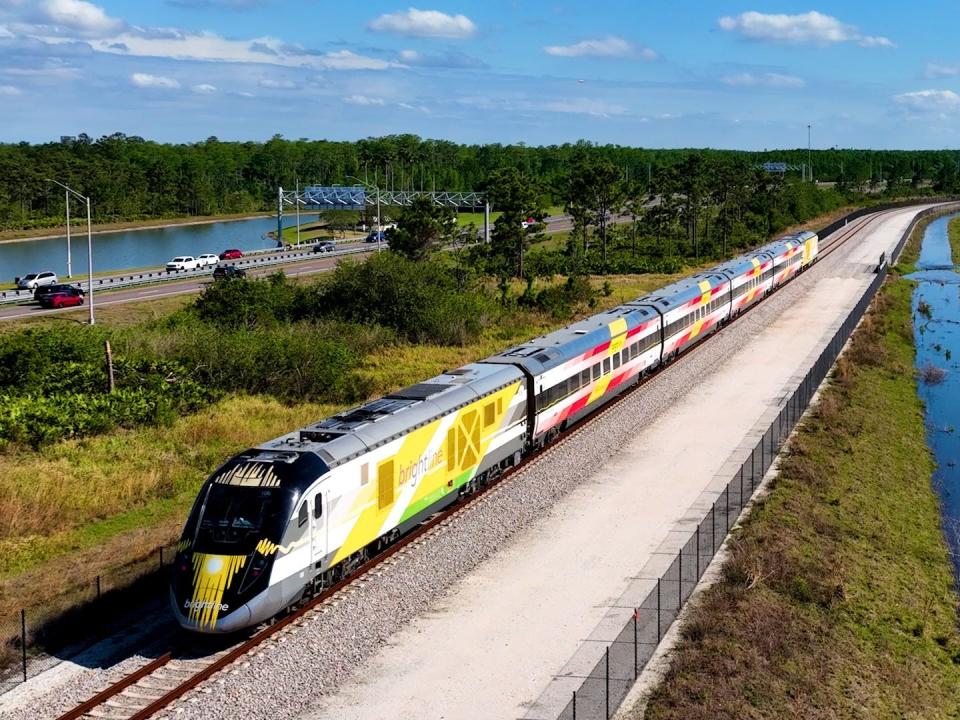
936 317
133 248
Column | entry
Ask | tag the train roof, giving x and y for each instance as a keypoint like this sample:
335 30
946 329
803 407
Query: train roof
547 351
679 293
350 433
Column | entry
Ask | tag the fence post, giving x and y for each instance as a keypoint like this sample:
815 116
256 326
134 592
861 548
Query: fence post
680 582
607 693
23 641
574 705
636 659
713 527
698 552
742 503
726 493
658 611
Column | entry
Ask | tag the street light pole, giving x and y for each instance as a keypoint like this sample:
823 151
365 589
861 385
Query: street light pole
66 194
86 199
89 264
297 196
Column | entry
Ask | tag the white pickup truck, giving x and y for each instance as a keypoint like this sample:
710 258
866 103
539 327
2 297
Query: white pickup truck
183 262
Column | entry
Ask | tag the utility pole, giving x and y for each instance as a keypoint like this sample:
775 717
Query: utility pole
297 196
66 194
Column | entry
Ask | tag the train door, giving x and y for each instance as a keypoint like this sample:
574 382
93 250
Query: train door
319 523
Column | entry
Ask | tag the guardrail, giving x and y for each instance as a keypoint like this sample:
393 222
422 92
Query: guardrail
153 276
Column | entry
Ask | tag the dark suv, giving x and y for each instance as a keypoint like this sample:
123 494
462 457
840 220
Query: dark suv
325 247
228 272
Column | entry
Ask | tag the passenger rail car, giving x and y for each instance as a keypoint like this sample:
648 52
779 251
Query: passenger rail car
301 511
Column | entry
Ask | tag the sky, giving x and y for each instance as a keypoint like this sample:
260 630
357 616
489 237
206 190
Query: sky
688 73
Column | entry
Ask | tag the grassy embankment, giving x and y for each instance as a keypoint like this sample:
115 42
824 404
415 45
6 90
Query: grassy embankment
953 235
838 600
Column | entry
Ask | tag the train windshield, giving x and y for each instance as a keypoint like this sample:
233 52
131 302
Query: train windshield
235 518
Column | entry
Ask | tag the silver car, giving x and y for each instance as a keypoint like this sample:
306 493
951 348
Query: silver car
35 280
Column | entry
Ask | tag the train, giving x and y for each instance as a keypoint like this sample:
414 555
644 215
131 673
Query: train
288 518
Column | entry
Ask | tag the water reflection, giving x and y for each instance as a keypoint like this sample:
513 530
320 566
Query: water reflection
133 248
936 318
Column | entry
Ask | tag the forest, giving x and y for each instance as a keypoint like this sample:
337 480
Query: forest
131 178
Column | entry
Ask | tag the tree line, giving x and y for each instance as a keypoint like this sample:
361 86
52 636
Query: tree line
130 178
700 208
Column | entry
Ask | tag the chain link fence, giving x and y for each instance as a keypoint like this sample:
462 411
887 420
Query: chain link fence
34 639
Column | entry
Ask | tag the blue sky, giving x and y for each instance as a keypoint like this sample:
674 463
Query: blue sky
691 73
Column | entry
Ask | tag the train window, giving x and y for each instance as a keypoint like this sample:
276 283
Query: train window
302 514
616 361
585 377
606 366
385 484
489 414
317 505
595 371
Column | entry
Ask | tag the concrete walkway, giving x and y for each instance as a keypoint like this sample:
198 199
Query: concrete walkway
516 636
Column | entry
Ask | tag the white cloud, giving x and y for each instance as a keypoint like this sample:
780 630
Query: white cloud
272 84
145 80
448 59
363 100
210 47
583 106
610 46
929 101
346 60
764 80
5 32
10 90
875 41
936 70
424 23
812 27
78 15
204 89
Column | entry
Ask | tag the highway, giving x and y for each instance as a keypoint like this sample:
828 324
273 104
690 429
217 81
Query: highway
168 288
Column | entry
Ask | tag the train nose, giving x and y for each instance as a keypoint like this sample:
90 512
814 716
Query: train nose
231 621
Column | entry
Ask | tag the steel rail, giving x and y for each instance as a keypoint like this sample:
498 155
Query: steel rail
460 506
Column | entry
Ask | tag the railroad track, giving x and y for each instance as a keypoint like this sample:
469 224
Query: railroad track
179 670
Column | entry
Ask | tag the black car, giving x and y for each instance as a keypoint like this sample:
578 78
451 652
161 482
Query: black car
325 246
48 289
228 272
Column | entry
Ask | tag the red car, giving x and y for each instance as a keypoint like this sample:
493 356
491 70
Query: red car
68 297
231 254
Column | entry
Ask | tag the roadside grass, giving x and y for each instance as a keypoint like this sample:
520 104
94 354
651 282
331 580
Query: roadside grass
119 315
838 599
